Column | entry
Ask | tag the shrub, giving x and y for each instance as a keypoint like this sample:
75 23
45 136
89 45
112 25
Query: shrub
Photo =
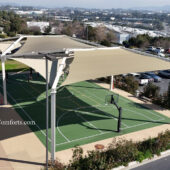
105 43
140 157
156 145
127 83
2 36
118 153
122 152
56 165
151 91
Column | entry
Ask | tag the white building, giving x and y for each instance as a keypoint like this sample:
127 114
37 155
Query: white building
122 37
29 12
42 25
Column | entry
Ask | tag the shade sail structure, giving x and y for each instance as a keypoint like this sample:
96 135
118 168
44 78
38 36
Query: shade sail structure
34 45
45 44
89 62
98 63
6 44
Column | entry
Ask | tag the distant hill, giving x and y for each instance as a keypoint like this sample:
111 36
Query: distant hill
154 8
8 3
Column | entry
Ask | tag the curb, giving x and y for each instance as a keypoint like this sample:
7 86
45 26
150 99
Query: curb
136 164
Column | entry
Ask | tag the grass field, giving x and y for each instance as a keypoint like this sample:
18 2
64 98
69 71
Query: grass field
82 115
13 66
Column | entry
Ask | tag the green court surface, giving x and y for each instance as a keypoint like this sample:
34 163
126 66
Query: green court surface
82 115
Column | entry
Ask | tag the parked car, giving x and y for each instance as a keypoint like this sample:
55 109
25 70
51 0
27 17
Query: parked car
161 54
159 50
165 73
154 76
134 74
151 48
145 76
168 51
143 82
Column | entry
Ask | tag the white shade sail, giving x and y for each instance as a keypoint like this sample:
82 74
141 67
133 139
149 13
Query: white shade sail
89 62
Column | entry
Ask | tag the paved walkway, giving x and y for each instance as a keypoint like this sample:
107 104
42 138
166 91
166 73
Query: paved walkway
20 149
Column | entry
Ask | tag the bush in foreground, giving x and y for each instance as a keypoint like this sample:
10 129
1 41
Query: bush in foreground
118 153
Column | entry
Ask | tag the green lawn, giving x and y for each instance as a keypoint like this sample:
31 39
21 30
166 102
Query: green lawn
82 115
13 66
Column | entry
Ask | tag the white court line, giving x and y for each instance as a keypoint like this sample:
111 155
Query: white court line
85 119
103 112
100 134
33 98
143 115
89 123
146 109
27 114
79 138
94 111
84 95
87 137
58 120
70 141
36 124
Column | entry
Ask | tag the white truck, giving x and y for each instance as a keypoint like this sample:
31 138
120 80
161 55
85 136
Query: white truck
143 81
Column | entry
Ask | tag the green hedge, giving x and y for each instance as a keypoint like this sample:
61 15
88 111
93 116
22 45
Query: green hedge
118 153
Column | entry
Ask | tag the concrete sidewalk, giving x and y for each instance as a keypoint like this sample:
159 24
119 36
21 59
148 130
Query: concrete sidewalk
20 149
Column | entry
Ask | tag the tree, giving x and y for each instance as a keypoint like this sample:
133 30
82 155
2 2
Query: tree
105 43
48 29
110 36
131 84
91 33
168 97
11 22
35 30
127 83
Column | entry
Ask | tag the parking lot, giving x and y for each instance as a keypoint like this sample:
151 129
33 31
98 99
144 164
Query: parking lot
163 85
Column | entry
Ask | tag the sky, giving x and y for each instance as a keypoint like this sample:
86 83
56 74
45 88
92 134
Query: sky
91 3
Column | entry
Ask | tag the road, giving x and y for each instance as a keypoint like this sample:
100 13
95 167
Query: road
160 164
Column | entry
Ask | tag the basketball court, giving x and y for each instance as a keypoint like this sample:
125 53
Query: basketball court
82 114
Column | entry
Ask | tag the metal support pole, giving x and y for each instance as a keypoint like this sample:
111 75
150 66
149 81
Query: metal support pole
87 32
120 114
53 108
111 82
47 113
4 80
53 123
119 119
3 67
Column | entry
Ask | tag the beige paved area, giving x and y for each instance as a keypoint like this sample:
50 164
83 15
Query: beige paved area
20 149
4 164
